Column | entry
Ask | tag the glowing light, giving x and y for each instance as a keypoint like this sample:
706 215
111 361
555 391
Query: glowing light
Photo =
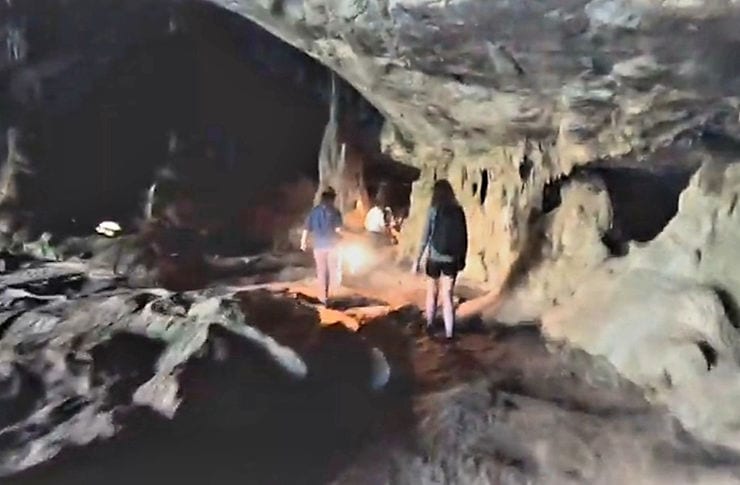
108 228
356 257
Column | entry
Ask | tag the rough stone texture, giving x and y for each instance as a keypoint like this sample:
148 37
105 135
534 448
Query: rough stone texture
80 354
14 176
543 427
666 314
338 167
505 98
565 247
54 336
523 90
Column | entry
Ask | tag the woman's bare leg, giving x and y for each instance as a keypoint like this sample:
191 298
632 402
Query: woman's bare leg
431 306
448 310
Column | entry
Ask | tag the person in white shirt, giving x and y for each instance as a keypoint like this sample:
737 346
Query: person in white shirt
376 224
375 220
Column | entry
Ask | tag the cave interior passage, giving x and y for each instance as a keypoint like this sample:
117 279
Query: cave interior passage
203 103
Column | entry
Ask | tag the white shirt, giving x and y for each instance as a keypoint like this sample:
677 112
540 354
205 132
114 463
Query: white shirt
375 220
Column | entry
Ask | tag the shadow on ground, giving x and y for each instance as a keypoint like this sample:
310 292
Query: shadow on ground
243 419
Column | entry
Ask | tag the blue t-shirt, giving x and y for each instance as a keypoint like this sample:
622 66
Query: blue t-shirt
322 222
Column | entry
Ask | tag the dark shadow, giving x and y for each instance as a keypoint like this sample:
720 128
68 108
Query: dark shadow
243 121
643 202
551 196
127 360
530 255
395 336
709 353
243 419
349 302
13 262
732 309
483 190
20 393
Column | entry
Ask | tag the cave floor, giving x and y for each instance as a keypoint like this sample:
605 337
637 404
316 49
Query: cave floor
294 393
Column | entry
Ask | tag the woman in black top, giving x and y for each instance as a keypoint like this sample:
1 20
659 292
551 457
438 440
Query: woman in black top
444 244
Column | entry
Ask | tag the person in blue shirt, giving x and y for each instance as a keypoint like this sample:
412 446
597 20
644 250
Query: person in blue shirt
324 224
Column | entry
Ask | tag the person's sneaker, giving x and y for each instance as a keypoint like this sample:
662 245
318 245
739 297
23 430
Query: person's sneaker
429 330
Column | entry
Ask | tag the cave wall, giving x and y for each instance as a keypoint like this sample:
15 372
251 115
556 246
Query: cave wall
666 314
543 97
500 201
511 101
524 92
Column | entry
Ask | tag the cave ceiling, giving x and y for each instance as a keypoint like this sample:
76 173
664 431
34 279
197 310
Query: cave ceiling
595 79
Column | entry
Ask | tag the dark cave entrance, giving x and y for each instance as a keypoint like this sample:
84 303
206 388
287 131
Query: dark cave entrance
198 102
196 99
644 194
643 203
387 182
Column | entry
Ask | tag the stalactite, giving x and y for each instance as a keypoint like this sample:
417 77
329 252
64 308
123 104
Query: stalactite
15 43
328 153
340 167
17 166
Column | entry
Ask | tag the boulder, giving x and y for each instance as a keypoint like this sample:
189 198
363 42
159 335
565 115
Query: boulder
666 314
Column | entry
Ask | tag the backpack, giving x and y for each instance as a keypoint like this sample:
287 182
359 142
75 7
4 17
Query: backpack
450 234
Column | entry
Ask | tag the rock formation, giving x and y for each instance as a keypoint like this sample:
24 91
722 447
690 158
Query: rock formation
514 100
81 402
112 377
666 315
340 167
503 98
568 128
15 176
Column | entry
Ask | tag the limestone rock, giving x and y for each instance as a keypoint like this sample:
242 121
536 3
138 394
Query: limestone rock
482 432
566 247
666 314
475 90
503 98
55 339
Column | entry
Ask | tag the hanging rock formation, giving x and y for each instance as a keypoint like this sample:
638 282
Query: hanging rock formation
340 164
541 114
15 176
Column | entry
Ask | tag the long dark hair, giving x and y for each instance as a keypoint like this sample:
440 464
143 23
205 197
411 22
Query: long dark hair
443 194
